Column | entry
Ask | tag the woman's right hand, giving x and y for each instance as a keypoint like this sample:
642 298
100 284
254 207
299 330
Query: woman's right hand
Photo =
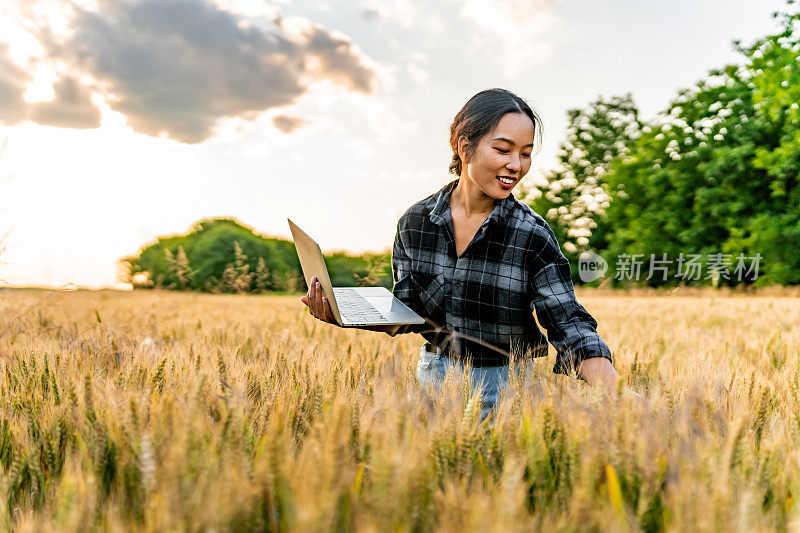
317 303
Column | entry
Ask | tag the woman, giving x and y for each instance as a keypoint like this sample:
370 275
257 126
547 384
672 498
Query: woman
475 262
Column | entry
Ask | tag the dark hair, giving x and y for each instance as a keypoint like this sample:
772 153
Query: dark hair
481 114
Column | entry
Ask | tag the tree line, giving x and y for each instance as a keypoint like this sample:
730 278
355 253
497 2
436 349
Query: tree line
221 255
712 177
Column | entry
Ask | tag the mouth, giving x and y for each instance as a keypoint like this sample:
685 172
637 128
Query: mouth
506 182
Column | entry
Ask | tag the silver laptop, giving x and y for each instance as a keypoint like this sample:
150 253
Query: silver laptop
351 306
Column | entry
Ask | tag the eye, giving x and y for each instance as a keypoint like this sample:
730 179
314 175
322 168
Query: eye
526 155
501 150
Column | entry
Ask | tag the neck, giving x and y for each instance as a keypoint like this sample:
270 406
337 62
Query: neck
470 200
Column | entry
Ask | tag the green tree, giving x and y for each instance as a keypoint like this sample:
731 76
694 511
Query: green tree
717 171
261 276
242 278
210 247
575 194
178 267
222 255
367 269
378 268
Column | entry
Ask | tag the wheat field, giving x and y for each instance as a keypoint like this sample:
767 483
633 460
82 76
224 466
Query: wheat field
164 411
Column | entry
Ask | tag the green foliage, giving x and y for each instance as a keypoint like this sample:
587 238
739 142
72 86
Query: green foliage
715 172
362 270
575 194
221 255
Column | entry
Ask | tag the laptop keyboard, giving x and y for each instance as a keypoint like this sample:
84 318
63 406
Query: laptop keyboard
355 308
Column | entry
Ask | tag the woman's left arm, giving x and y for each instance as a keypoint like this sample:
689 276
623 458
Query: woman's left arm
570 328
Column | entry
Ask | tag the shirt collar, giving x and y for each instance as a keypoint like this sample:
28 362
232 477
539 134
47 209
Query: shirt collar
441 209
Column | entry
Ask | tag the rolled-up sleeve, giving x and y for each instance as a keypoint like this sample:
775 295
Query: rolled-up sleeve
570 328
404 289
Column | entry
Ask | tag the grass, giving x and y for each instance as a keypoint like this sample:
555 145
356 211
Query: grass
172 411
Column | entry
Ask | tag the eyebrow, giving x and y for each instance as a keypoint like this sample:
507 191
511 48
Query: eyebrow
509 141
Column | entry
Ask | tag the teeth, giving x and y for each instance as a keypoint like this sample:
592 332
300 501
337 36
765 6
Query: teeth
506 180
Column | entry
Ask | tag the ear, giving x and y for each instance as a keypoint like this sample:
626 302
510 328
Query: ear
463 143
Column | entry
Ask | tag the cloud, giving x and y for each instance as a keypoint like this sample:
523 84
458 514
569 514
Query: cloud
72 107
372 12
287 124
250 8
405 13
519 25
13 81
175 67
331 55
417 74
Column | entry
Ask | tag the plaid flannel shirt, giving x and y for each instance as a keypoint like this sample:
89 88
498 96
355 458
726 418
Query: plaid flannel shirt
479 305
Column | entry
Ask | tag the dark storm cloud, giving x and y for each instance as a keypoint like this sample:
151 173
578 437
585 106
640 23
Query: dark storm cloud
287 124
174 67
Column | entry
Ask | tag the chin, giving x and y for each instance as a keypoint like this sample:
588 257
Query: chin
502 194
493 190
496 193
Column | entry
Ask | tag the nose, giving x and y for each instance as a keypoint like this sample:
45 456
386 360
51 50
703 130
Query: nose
514 164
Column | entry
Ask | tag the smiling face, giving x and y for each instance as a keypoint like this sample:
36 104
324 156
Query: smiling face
502 157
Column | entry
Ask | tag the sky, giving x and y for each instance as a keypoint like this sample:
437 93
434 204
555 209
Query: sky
125 120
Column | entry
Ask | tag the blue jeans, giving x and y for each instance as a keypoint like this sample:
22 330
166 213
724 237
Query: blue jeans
433 367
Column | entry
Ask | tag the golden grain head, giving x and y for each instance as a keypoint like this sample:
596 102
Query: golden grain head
161 411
